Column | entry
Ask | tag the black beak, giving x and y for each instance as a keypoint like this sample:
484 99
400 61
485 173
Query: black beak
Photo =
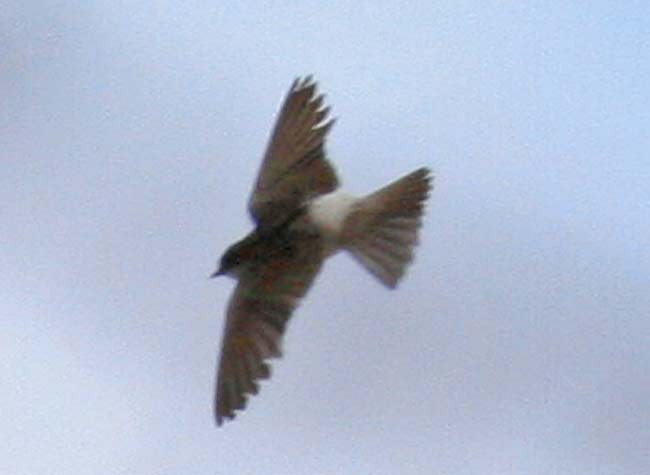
216 273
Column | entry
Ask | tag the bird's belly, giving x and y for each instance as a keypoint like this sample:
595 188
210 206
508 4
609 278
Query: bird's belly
328 212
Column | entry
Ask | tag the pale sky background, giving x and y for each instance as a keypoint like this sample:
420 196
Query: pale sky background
519 343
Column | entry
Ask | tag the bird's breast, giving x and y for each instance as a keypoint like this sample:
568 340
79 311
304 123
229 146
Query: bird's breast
328 212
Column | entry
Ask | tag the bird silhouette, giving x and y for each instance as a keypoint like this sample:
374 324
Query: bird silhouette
301 218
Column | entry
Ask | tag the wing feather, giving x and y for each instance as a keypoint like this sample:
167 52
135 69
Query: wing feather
257 316
294 168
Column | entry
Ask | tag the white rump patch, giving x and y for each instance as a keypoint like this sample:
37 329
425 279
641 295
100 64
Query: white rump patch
328 212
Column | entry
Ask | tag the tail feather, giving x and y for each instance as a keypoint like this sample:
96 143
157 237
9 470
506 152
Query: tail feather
382 230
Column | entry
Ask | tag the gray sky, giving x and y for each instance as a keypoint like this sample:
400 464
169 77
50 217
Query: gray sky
130 134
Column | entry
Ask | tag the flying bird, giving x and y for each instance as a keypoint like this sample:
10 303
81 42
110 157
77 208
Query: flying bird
301 218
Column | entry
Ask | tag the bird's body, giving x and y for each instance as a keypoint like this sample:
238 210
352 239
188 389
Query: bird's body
301 219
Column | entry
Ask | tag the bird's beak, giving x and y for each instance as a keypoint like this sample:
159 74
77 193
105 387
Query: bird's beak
216 273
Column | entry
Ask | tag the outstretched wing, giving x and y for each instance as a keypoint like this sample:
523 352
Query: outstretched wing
294 167
257 316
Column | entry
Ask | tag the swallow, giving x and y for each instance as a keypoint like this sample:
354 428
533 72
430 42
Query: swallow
301 218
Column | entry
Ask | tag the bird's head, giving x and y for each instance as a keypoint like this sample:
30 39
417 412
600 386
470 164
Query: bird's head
232 260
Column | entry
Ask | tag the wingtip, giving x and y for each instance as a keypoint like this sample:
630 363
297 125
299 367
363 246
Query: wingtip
220 417
426 174
308 80
303 82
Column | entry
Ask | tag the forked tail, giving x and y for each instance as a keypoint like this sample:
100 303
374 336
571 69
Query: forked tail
382 229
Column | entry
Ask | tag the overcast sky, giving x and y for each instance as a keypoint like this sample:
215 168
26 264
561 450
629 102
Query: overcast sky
519 342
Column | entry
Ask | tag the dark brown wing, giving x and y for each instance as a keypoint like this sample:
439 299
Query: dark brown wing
257 317
294 167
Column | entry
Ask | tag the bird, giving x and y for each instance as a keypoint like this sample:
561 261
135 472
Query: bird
301 217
